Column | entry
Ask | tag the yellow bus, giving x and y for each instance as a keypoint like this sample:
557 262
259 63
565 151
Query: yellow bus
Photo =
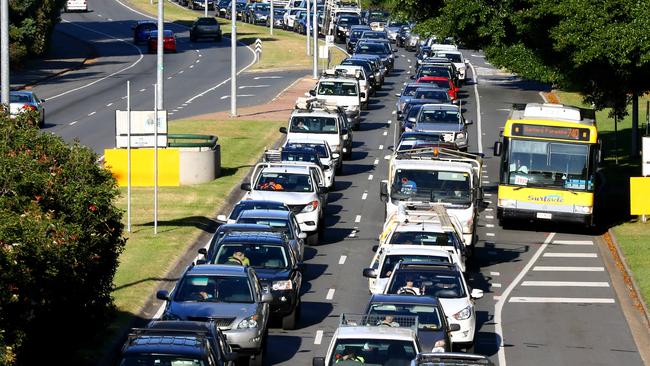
549 157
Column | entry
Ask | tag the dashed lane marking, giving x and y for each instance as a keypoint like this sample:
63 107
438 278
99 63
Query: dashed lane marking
489 225
370 177
489 209
489 234
495 273
364 195
562 300
570 255
497 285
253 86
390 121
487 194
564 284
319 337
169 77
489 217
385 133
343 259
143 89
91 113
567 269
375 162
109 104
357 219
330 294
191 66
381 147
72 123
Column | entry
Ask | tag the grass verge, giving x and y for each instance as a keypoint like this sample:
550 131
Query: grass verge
633 236
283 50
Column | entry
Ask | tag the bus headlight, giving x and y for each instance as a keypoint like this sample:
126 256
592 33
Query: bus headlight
582 209
507 203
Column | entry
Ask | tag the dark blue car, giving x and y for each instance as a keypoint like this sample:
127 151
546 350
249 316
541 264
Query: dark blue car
142 30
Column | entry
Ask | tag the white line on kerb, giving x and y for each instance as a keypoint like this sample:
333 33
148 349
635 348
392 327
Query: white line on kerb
498 310
343 259
370 177
357 219
563 300
567 269
564 284
478 114
364 195
381 147
319 337
570 255
385 133
330 294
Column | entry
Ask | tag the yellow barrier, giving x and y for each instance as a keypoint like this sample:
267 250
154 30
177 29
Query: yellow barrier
639 196
142 166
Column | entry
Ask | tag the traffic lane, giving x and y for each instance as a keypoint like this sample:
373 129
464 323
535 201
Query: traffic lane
334 268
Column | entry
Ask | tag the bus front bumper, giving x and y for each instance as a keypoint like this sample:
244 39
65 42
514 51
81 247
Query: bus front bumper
522 214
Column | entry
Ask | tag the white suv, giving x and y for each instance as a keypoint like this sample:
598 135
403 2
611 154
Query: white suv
360 74
342 91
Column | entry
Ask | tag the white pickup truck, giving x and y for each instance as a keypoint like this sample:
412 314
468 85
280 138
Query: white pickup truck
343 91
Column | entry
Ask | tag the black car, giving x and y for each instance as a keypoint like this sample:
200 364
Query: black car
158 344
240 5
278 18
353 36
380 49
222 6
258 13
433 328
402 35
370 69
205 27
343 25
271 255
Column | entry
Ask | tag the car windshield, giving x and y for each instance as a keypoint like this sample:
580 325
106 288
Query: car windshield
429 317
19 98
284 182
321 150
147 27
214 288
308 124
432 186
338 88
377 16
409 90
439 94
390 261
429 283
365 65
263 7
305 156
441 83
276 223
434 71
159 360
534 163
413 110
356 34
423 238
347 21
373 352
279 11
255 255
422 137
374 35
371 48
439 115
453 57
206 21
253 205
166 33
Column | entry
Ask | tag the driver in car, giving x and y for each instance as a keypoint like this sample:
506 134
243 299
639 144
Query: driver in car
409 288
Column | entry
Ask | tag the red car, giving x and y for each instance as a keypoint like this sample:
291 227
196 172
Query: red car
169 41
442 82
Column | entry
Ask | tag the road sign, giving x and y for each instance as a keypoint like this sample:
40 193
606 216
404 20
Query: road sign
258 48
142 129
323 52
329 41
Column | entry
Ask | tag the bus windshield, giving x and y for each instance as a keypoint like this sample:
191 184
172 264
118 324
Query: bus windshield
533 163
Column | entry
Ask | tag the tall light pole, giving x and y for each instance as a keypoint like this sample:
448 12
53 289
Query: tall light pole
159 51
308 23
233 60
272 19
315 21
205 8
4 55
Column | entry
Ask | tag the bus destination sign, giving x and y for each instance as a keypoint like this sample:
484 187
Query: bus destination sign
552 132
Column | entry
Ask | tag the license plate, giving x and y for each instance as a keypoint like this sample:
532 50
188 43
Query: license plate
544 215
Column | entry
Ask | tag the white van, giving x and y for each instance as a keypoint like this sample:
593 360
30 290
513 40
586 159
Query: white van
75 5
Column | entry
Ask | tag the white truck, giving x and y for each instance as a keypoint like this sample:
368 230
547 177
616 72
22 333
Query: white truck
360 74
421 177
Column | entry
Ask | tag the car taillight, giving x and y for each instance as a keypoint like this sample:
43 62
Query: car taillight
29 107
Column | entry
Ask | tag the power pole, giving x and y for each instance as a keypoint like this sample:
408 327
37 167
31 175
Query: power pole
160 50
308 26
233 60
4 55
205 8
272 19
315 21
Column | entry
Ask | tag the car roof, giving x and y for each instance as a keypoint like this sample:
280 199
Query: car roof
415 250
409 227
265 214
217 269
289 169
254 237
428 267
146 21
260 202
306 140
433 78
403 299
375 332
315 112
439 107
360 27
21 92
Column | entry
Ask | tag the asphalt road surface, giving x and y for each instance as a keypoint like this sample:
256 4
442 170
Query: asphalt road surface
81 104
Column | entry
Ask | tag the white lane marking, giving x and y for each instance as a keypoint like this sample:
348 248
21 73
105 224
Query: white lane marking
143 89
330 294
197 61
489 234
478 115
319 337
185 104
389 121
485 176
169 77
353 233
563 300
357 219
124 97
239 95
267 77
489 209
109 104
570 255
171 113
181 107
393 112
487 63
370 177
182 71
567 269
487 194
343 259
381 147
487 201
200 55
191 66
253 86
99 15
478 56
564 284
498 309
364 195
573 242
73 123
489 225
495 273
375 162
91 113
110 19
489 217
485 181
498 285
108 76
385 133
408 60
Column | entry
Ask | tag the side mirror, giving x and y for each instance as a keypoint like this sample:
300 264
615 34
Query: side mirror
201 261
476 294
222 218
318 361
323 190
42 100
302 236
312 93
412 77
245 187
470 122
383 189
375 248
344 131
498 148
336 155
326 167
398 95
283 130
369 273
203 251
453 327
231 356
162 295
300 267
362 95
267 297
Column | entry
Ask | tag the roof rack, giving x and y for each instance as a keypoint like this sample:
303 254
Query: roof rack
338 73
275 155
424 213
365 320
452 358
313 103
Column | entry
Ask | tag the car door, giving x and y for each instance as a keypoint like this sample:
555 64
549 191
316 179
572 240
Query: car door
297 231
319 182
262 307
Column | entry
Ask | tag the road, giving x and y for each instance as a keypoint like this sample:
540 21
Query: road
81 104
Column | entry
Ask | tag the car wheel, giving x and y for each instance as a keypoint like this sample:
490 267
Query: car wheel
290 321
313 239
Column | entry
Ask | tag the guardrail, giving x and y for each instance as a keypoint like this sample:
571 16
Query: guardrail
192 140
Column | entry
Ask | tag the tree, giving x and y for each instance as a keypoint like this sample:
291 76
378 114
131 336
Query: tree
60 238
600 48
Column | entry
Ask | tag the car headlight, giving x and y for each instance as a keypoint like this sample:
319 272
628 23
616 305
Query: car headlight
439 346
247 323
310 207
582 209
507 203
464 314
282 285
460 136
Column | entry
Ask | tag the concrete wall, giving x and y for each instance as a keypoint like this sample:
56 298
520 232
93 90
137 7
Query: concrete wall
199 165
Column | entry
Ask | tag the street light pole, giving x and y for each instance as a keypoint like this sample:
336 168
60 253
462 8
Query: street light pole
4 46
205 8
272 19
159 51
233 60
315 21
308 26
